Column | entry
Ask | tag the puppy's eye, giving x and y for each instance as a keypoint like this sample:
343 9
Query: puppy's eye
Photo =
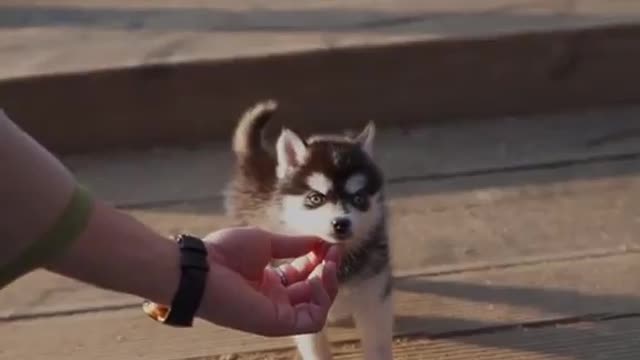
359 200
314 199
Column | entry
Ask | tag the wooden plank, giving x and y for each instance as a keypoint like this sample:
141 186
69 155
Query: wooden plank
578 64
70 30
434 225
226 29
41 293
615 339
425 304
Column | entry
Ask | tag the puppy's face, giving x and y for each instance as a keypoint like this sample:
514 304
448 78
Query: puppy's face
329 186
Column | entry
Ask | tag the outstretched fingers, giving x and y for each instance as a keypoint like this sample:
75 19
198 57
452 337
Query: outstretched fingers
302 291
301 307
302 267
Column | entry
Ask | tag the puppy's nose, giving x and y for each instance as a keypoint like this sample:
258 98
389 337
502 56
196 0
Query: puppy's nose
341 226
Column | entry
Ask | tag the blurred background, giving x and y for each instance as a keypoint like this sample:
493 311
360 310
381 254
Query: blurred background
509 134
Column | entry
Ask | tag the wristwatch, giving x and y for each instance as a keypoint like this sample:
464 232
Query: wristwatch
194 269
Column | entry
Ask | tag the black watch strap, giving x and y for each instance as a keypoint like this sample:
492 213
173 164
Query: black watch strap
194 268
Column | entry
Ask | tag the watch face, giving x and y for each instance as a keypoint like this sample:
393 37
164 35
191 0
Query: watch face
156 311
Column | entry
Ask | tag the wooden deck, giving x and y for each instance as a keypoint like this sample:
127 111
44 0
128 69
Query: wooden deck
514 238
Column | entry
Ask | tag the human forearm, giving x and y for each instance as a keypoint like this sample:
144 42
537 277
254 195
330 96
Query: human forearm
112 250
117 252
34 188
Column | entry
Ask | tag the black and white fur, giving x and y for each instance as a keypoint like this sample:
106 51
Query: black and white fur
316 186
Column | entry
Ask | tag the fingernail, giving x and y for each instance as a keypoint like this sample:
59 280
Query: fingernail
313 256
318 271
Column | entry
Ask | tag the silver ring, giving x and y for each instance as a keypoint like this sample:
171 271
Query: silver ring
283 278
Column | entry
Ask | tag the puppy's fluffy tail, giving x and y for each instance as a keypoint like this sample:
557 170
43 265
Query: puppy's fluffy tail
247 138
255 165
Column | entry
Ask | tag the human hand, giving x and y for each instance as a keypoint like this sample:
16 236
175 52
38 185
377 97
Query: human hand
245 294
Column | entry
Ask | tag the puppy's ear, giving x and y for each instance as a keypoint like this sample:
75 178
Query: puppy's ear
291 152
366 137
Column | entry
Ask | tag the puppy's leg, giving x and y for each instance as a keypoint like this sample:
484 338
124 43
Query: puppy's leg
373 314
314 346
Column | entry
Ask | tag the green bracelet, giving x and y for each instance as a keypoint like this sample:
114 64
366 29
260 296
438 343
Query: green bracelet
56 240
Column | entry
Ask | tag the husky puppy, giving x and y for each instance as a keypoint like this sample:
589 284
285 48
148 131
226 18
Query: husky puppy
328 186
